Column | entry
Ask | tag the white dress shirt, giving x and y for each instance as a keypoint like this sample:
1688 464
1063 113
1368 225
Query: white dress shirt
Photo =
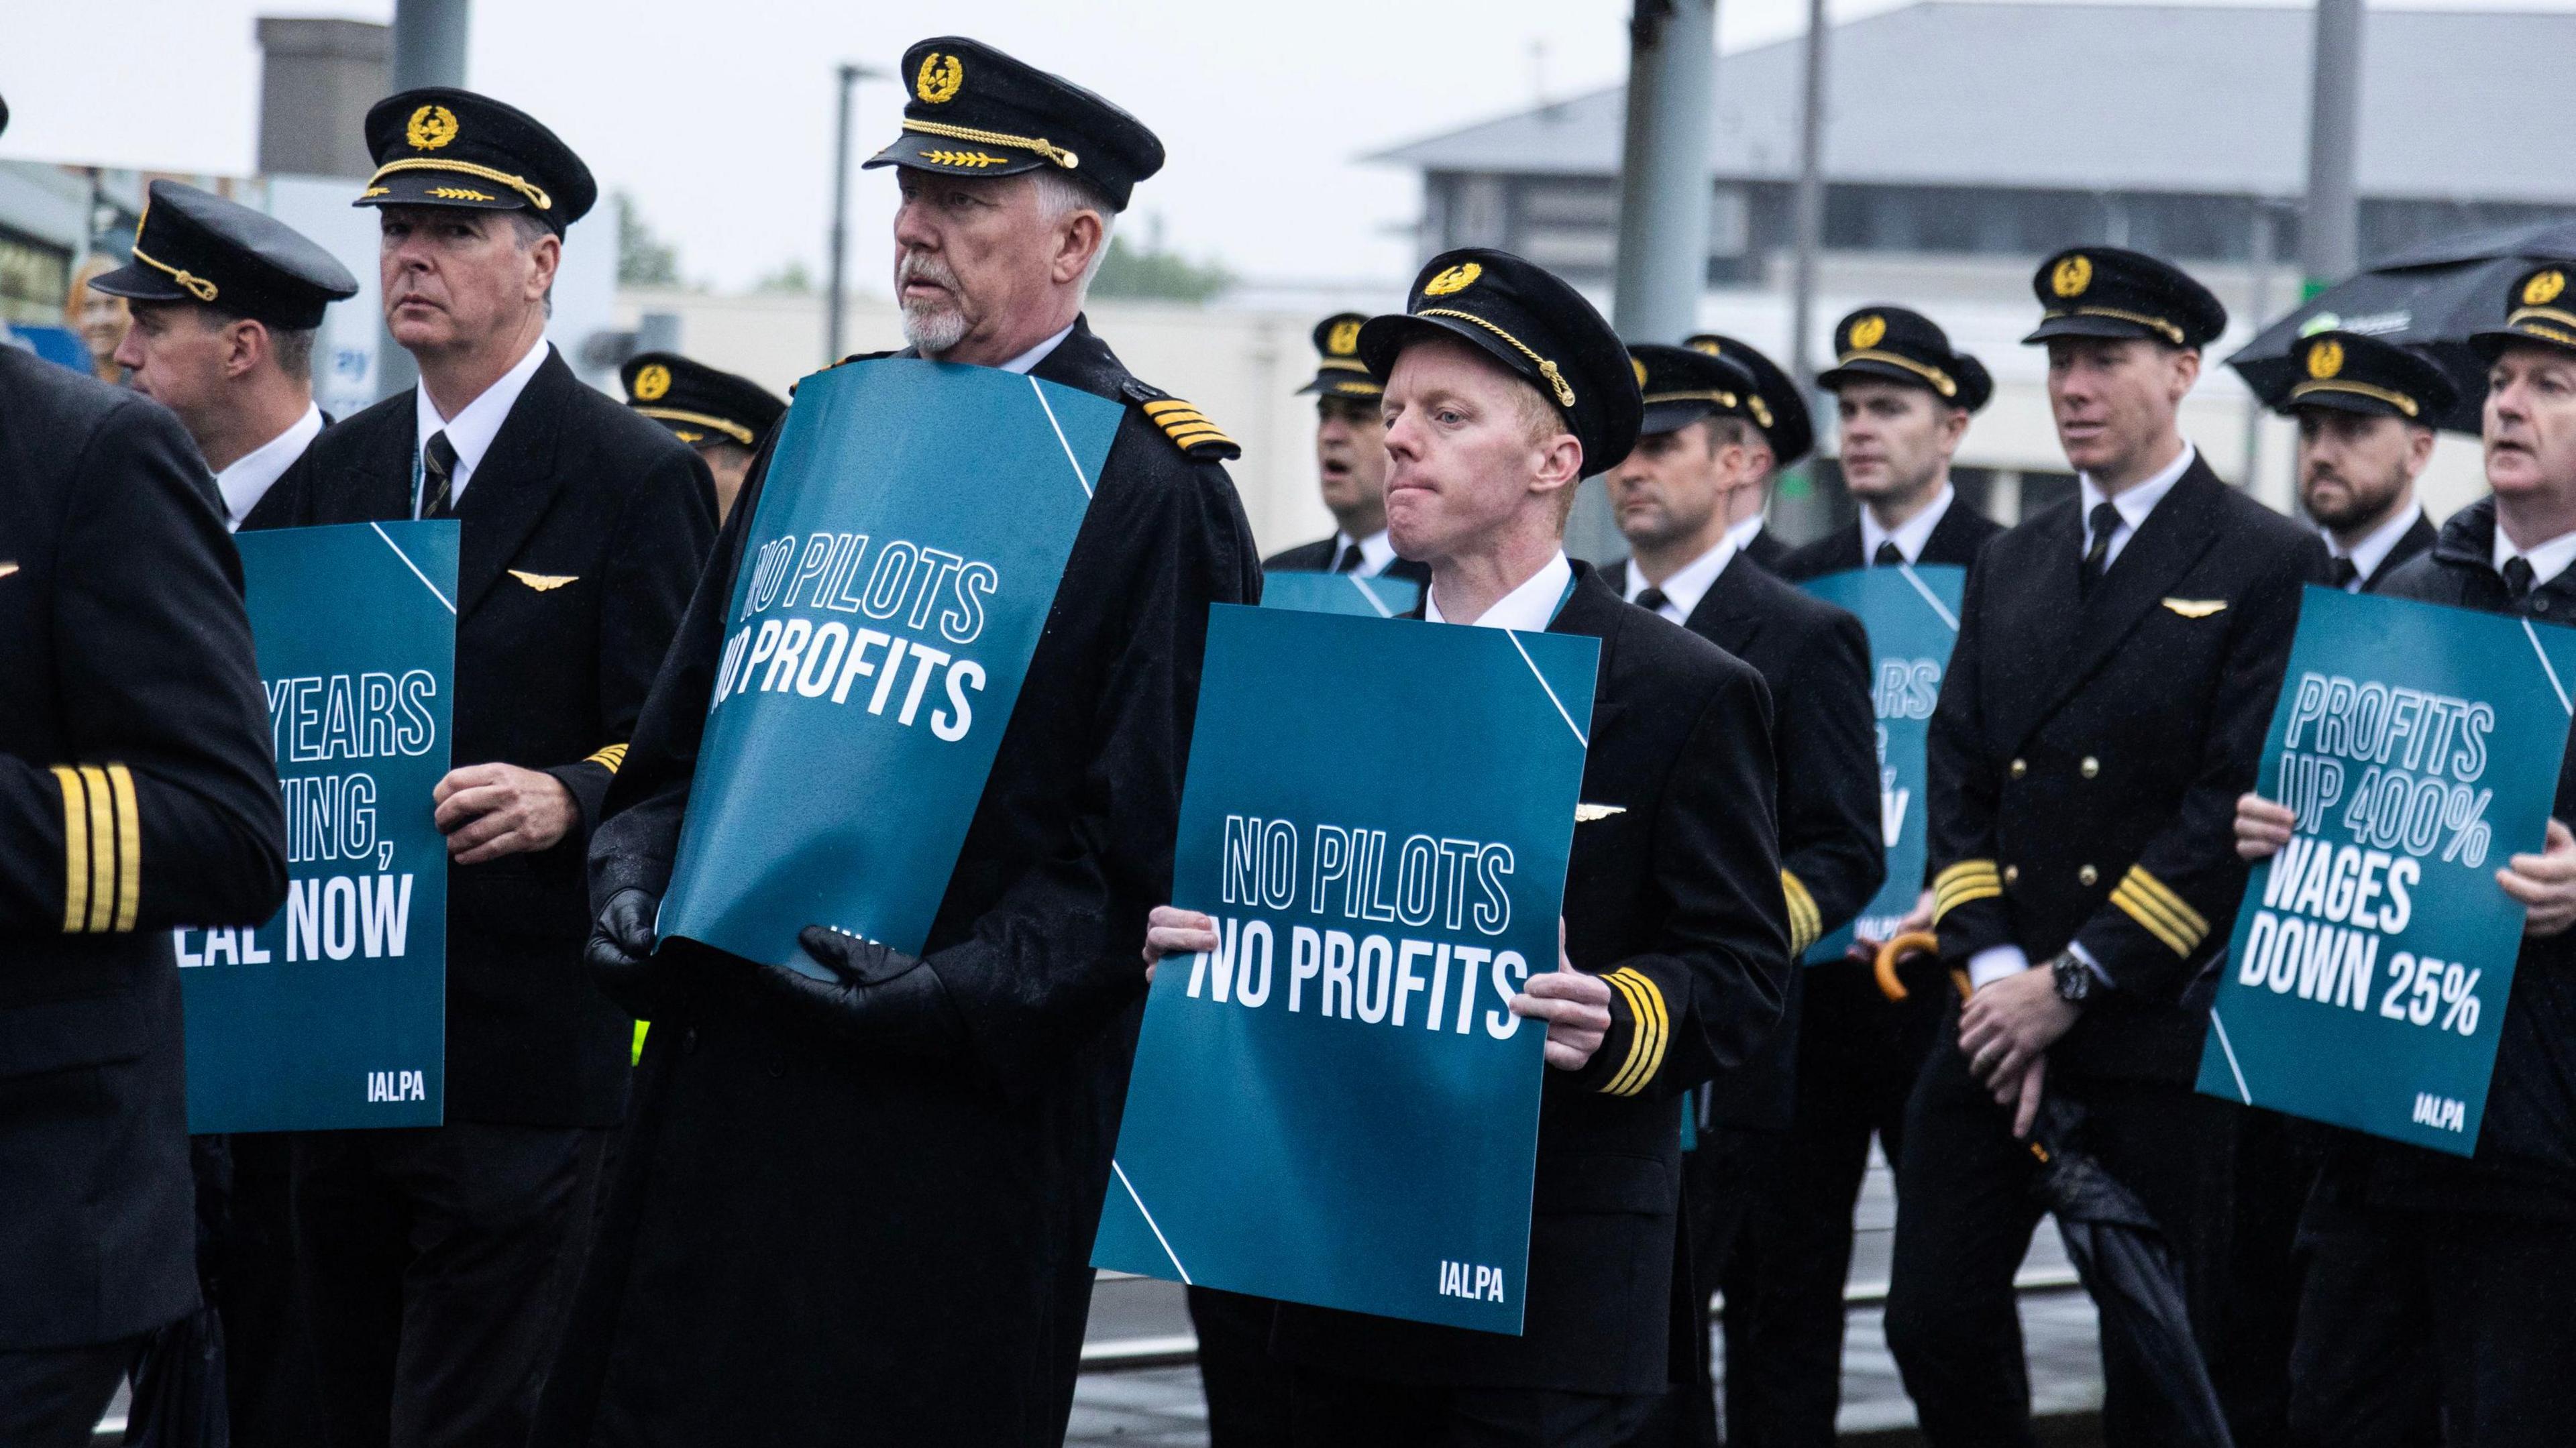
474 426
1037 354
1690 583
1529 608
2547 561
249 478
1909 538
1376 552
2374 549
2134 503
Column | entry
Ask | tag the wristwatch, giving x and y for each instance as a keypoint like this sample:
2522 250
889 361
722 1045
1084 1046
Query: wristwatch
2073 977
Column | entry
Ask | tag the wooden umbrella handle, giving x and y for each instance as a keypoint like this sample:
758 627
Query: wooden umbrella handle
1914 942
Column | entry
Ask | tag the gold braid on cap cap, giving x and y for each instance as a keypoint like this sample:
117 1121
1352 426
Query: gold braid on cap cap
1940 380
1039 144
536 194
2398 400
197 286
734 430
1722 399
1555 379
2163 328
2522 314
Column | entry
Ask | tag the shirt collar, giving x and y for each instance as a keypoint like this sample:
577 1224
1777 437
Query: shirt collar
248 479
1911 536
474 426
2139 501
1529 608
2374 549
1376 551
1691 582
1037 354
1743 534
2547 561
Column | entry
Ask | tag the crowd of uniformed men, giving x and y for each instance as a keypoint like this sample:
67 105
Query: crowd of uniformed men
861 1212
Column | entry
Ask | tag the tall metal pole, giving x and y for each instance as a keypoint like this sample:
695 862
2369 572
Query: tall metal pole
428 49
849 81
2330 231
1664 198
1808 219
2259 248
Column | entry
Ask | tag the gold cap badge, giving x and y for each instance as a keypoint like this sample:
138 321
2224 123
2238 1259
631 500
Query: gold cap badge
1705 346
431 127
939 79
2543 289
2071 276
652 382
1868 332
1639 368
1344 340
1456 279
2325 359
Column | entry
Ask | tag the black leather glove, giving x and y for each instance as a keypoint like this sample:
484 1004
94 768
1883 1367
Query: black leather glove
621 957
884 998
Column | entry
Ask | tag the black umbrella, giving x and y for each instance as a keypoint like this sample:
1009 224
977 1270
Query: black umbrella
2430 297
2121 1254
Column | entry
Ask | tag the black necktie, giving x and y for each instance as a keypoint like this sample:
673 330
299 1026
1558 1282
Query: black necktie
2517 578
2097 558
1350 562
1888 555
2342 572
437 475
1652 600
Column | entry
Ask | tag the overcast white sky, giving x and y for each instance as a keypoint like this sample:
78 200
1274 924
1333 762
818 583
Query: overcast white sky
716 114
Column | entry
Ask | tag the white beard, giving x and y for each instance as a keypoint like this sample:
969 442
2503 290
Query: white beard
933 329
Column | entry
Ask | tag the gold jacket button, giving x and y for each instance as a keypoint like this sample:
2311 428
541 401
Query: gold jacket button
2090 767
2011 873
2087 875
2020 768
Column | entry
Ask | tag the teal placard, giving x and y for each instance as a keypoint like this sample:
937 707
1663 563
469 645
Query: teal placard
1341 593
910 536
1912 614
2366 981
1336 1108
333 1014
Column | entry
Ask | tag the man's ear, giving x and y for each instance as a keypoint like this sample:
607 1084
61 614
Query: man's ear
544 257
1083 235
1560 463
2186 370
246 343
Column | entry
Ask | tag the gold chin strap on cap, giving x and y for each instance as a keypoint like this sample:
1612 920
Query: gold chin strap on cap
734 430
196 286
2160 326
536 194
1555 379
1722 399
1039 144
2398 400
2524 314
1940 380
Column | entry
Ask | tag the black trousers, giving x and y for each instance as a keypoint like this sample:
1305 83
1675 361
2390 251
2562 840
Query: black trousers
1247 1389
52 1397
2423 1328
1966 1221
1858 1056
1333 1410
437 1265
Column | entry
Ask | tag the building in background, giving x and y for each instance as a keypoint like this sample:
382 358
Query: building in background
1965 141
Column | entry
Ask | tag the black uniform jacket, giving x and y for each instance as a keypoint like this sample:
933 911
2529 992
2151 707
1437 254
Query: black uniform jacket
1767 550
1317 557
1815 659
2411 544
584 528
2526 1156
1955 540
137 793
2086 756
808 1242
1678 888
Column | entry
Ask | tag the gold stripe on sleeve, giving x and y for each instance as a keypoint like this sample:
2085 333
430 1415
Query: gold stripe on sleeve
129 848
102 849
1806 922
75 849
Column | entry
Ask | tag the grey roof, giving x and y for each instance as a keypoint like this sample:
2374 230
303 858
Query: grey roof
2169 98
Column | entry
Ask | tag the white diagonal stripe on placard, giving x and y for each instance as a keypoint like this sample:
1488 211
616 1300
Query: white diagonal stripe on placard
415 568
1149 1221
1551 691
1929 596
2547 667
2225 1045
1370 594
1068 446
